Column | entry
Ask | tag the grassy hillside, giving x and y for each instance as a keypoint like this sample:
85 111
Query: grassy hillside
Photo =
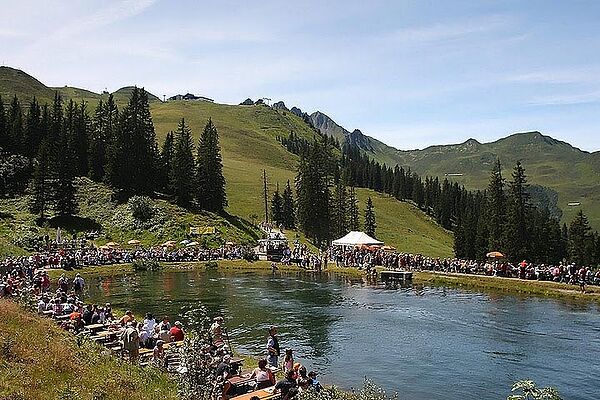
405 227
57 368
571 173
248 136
116 222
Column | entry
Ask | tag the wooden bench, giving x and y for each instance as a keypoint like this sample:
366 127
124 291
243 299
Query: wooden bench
262 394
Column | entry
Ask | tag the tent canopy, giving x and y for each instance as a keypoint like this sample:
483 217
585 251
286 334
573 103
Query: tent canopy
356 238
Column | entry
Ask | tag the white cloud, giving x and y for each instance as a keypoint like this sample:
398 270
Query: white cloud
566 99
578 74
450 30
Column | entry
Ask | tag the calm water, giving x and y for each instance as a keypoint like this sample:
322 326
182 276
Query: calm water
425 343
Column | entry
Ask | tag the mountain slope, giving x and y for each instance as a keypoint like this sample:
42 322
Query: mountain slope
248 137
554 167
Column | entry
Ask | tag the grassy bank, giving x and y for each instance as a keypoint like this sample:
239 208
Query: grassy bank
38 360
222 265
507 285
470 282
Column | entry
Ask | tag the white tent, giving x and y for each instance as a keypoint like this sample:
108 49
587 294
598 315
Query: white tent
356 238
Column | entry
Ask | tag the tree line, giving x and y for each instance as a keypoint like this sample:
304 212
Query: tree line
327 205
500 218
47 146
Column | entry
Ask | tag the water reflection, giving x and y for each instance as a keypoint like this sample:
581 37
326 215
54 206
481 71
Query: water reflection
425 342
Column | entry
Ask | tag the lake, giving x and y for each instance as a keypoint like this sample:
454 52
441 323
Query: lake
423 342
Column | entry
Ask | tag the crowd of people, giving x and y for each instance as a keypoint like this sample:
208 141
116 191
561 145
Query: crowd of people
85 254
63 301
367 258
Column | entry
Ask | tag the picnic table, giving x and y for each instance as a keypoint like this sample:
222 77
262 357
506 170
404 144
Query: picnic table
239 380
95 327
262 394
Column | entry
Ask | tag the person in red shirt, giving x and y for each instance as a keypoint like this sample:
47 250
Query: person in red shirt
176 332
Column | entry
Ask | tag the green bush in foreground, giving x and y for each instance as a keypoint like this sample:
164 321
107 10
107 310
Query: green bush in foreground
529 391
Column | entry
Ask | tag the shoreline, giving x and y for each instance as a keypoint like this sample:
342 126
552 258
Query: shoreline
482 283
508 285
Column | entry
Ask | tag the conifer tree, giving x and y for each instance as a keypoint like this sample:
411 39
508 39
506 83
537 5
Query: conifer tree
353 211
57 119
183 171
519 207
80 138
42 196
166 160
102 134
496 209
370 223
16 129
312 190
33 129
339 210
277 207
211 182
581 241
288 209
4 134
134 157
64 166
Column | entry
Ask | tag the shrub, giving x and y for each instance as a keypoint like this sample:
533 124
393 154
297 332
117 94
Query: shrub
211 265
141 208
529 391
146 265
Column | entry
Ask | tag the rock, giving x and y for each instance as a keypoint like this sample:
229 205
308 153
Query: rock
280 105
247 102
296 111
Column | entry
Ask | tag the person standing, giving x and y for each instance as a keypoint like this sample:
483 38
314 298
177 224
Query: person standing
216 331
78 283
131 341
273 350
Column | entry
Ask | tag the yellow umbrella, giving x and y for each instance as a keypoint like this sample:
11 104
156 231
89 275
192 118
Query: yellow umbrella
495 254
170 243
112 244
134 242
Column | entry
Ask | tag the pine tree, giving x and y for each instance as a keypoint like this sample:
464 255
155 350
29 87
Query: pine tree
80 139
370 224
496 209
16 129
353 211
211 182
134 159
288 209
33 129
57 119
519 207
166 160
42 195
64 167
277 207
313 196
183 171
102 135
581 242
339 210
4 135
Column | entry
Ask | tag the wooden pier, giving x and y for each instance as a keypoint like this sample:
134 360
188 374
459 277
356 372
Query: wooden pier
396 276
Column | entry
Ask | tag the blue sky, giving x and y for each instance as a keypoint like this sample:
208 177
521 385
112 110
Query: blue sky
410 73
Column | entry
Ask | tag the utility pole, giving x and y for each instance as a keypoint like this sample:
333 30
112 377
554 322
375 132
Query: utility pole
265 195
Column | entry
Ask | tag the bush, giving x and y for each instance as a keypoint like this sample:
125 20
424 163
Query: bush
211 265
141 208
528 390
146 265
